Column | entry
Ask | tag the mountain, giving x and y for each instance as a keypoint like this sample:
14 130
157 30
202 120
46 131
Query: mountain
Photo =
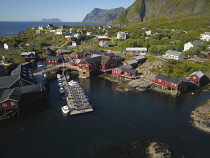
102 16
51 20
145 10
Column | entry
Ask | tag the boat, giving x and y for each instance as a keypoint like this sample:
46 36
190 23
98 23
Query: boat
61 90
58 76
59 80
60 84
40 65
65 109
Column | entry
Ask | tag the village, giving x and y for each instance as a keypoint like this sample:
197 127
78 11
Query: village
19 85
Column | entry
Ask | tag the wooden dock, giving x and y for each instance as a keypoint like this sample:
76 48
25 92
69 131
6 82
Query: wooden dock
71 100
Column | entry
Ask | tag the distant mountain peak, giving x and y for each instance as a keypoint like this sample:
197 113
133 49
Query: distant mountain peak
51 20
98 15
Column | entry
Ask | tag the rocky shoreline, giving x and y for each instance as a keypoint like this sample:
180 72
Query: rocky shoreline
201 117
158 150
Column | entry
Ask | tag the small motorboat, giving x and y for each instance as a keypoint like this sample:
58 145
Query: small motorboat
60 84
40 65
65 109
61 90
58 76
59 80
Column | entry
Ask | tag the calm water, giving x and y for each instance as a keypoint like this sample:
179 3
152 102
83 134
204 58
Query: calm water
13 28
117 119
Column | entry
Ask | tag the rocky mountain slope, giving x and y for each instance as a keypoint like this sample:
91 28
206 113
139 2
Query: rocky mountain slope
102 16
144 10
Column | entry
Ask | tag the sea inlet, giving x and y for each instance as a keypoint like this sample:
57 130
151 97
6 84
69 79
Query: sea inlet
118 121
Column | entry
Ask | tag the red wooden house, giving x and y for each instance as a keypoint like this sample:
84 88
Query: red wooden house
79 55
199 77
125 72
54 60
27 56
91 63
9 98
133 63
179 84
48 51
139 58
75 62
107 62
63 51
102 38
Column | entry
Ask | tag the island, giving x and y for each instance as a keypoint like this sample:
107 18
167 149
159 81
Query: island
51 20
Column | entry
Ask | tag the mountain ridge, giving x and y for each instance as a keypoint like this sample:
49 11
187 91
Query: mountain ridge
145 10
98 15
51 20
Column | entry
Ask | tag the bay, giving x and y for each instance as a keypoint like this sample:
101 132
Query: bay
13 28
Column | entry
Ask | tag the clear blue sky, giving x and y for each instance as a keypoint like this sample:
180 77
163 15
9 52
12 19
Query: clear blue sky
65 10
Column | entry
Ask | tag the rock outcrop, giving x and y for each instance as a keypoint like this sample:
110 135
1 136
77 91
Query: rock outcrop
201 117
159 150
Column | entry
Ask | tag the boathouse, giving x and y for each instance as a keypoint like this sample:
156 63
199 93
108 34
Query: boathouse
54 60
125 72
179 84
107 62
199 77
91 63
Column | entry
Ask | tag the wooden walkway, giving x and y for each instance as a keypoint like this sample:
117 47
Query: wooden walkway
70 100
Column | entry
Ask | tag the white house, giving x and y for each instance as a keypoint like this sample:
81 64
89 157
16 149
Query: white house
141 50
148 33
59 31
174 55
190 44
103 44
6 46
121 35
205 36
88 33
72 31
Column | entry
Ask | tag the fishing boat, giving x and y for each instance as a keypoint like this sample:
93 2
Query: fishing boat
65 109
61 90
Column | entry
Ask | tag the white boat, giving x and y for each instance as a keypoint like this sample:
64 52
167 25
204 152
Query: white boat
58 76
65 109
59 80
60 84
61 90
40 65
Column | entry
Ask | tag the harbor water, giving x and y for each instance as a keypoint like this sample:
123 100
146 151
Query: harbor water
117 119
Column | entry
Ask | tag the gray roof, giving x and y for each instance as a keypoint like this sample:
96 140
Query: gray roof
196 43
140 57
93 60
172 52
10 94
131 62
125 69
206 33
31 88
27 53
198 73
168 78
20 72
184 79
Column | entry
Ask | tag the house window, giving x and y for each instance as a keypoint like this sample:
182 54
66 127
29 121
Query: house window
159 80
4 104
194 77
13 103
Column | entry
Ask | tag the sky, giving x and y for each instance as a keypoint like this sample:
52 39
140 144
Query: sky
65 10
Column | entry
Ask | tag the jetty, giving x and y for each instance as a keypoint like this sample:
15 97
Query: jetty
77 101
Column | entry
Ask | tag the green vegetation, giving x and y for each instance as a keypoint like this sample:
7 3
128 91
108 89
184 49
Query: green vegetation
179 68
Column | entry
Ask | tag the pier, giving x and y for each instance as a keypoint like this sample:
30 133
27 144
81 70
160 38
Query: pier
77 101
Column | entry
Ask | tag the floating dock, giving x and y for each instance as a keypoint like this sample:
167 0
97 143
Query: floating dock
77 101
